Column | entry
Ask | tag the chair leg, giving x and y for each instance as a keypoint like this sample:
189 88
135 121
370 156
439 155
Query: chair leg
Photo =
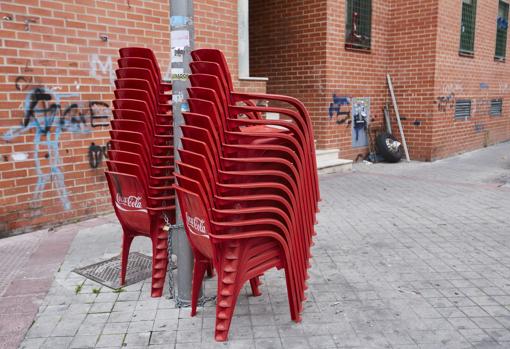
254 283
225 306
127 239
228 290
198 275
159 263
210 270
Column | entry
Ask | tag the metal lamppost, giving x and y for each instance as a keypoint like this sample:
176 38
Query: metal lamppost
182 42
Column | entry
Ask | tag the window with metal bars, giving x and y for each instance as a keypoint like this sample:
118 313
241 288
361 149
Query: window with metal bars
462 109
358 27
467 27
496 107
502 30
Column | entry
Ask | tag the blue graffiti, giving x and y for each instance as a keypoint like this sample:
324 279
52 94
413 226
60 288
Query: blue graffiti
335 108
43 113
502 23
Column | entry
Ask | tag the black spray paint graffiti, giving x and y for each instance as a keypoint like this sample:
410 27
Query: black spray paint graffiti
445 102
76 117
97 153
44 113
341 107
95 111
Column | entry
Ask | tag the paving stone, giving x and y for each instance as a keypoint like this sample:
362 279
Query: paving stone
163 338
140 326
426 269
133 340
110 340
56 342
32 343
116 328
105 307
84 341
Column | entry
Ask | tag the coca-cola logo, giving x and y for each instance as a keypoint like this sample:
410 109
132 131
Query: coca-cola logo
196 224
129 201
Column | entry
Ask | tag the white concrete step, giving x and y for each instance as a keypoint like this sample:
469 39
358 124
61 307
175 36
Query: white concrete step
328 162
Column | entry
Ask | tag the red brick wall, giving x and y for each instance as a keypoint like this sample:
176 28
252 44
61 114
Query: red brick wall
288 45
479 78
411 49
354 74
216 27
62 53
416 43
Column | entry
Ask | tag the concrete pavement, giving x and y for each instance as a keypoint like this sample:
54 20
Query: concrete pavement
407 256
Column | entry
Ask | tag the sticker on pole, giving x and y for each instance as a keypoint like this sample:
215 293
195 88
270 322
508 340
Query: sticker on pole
179 38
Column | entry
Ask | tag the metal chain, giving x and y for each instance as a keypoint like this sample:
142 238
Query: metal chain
171 266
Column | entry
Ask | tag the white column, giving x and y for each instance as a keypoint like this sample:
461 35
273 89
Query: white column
243 38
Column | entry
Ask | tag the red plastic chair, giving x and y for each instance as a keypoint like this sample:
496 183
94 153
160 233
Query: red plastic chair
146 53
240 251
138 218
142 95
140 73
270 206
217 57
261 126
140 165
281 138
245 172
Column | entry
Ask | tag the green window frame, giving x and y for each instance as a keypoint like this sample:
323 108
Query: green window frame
501 31
467 28
358 24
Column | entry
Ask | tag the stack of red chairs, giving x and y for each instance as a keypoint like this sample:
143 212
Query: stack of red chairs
141 158
247 187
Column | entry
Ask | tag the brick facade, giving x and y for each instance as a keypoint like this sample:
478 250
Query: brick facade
299 45
62 55
52 53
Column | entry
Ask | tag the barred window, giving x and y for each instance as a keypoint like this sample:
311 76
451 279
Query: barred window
502 29
467 27
496 107
462 109
358 26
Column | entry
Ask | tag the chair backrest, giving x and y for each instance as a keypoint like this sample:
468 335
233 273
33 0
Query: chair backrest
195 216
129 201
208 108
141 52
135 115
134 126
140 62
131 136
203 135
129 168
131 147
138 73
207 94
206 122
138 84
141 95
134 104
211 82
197 174
200 161
211 68
217 56
129 157
199 147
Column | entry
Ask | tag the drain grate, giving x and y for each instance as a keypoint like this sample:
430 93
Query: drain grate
107 272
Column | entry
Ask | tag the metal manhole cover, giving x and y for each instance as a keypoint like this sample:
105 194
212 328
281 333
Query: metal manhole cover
107 272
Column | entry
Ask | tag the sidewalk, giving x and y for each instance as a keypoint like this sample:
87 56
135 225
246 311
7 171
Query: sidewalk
407 256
